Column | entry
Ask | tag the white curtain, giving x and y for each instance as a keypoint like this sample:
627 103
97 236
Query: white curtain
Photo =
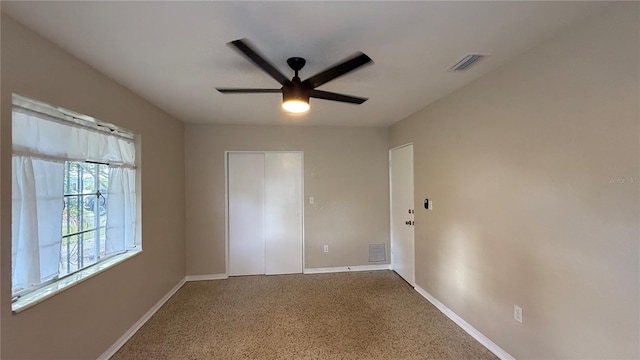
41 145
37 195
121 210
36 135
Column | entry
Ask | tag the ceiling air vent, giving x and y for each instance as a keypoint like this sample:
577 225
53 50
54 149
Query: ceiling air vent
466 62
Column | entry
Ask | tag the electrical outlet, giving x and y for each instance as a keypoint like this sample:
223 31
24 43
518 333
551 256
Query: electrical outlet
326 248
517 313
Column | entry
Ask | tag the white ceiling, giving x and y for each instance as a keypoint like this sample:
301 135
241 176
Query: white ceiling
174 53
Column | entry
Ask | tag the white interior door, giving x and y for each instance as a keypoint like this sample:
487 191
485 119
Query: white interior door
402 209
265 213
283 213
246 213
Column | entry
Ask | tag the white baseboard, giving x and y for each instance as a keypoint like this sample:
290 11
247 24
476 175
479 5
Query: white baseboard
207 277
485 341
132 330
346 269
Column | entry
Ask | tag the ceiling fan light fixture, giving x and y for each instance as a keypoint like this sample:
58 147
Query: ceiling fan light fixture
295 106
295 99
296 93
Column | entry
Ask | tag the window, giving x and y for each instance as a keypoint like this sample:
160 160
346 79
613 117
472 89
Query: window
84 215
73 197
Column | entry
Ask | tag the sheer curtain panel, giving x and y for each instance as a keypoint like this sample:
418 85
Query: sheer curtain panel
37 193
121 223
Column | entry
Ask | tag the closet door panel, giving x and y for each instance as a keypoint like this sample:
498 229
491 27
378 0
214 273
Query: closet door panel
283 213
246 213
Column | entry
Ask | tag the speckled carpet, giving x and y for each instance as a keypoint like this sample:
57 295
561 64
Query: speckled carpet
357 315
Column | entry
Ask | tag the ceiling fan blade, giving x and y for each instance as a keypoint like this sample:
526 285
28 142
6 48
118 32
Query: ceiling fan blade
326 95
350 64
248 91
245 47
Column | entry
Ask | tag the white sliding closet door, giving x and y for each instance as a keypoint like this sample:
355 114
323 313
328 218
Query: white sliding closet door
246 214
265 213
283 213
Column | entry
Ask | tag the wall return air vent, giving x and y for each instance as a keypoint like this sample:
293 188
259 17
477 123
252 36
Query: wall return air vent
466 62
377 252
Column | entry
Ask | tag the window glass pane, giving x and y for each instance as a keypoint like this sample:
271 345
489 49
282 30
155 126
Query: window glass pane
103 234
80 177
89 249
89 173
69 255
75 218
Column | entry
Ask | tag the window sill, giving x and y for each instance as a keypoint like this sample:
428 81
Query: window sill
45 292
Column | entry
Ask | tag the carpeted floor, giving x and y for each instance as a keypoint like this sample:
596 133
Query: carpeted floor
357 315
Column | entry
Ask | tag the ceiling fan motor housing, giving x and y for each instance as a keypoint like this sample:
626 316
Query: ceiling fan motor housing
295 91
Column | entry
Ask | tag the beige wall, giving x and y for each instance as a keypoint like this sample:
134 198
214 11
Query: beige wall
518 165
345 169
83 321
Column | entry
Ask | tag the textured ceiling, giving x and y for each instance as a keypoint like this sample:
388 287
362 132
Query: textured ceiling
174 53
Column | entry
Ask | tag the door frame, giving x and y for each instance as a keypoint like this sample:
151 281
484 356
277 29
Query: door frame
391 211
226 199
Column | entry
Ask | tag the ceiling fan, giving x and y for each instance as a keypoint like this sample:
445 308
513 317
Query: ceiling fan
296 93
